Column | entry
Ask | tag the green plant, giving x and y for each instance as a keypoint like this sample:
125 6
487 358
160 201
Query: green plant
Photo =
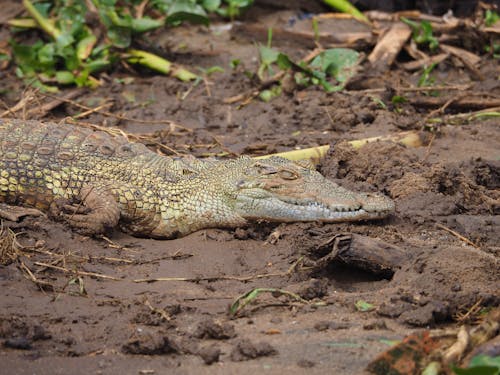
480 365
346 7
426 79
338 64
422 33
74 50
491 17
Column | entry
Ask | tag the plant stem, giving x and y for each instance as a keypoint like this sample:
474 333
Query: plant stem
346 7
149 60
158 64
44 23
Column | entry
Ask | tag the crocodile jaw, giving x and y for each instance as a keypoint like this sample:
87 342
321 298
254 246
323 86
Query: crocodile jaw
364 206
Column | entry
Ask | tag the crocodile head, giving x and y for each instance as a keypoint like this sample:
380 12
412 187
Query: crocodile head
278 189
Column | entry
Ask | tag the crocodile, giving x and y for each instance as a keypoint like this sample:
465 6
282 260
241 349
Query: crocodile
95 181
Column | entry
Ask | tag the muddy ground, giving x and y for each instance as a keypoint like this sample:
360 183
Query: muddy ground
94 325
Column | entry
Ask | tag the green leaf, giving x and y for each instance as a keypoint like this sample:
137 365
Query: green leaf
85 46
186 11
422 33
480 365
121 37
485 360
337 62
97 65
313 76
26 56
141 25
234 63
213 69
346 7
64 77
234 8
284 61
43 8
64 40
491 17
426 79
364 306
211 5
46 54
270 94
478 370
268 55
398 99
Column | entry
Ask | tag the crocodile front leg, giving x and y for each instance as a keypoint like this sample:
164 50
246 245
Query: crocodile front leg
100 211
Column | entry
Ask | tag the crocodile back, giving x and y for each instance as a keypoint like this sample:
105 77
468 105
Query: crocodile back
40 162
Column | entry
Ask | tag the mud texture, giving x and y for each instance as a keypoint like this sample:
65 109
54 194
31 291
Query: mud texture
73 304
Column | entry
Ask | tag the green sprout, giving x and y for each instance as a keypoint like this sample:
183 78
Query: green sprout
422 33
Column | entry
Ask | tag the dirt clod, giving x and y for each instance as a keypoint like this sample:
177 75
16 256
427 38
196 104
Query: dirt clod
442 240
210 329
210 354
314 288
245 350
149 343
22 343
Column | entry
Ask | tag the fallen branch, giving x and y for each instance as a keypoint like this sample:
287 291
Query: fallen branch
218 278
65 270
388 47
409 139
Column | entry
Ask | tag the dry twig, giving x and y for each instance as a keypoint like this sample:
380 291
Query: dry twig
218 278
78 272
458 235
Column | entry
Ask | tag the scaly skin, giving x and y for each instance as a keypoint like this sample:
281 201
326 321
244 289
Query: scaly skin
95 181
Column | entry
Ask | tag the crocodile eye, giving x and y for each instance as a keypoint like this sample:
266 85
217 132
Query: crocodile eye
263 169
287 174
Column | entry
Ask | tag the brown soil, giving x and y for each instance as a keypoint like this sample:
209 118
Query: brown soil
93 325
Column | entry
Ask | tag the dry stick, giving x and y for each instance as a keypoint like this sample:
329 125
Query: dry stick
90 111
114 131
469 102
216 278
119 117
329 115
65 270
157 310
458 235
474 309
415 89
442 108
21 104
473 114
428 150
207 86
33 278
210 278
46 108
116 245
87 258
